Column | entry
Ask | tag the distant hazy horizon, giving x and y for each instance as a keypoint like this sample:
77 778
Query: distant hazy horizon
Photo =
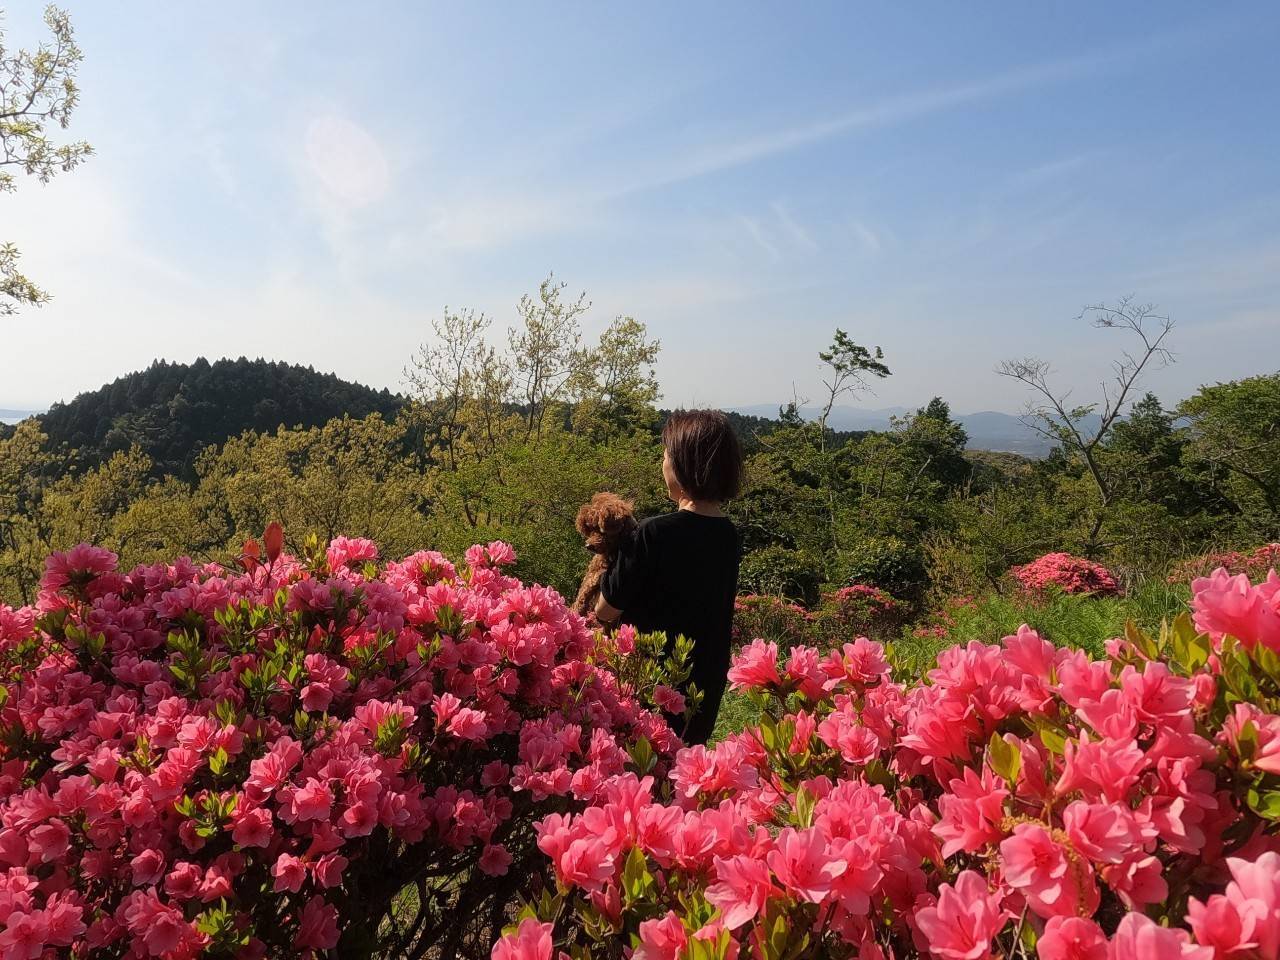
314 183
869 402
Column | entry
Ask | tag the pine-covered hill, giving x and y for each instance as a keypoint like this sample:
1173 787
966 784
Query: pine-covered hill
175 410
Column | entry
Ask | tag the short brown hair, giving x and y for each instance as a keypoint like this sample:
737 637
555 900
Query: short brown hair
705 453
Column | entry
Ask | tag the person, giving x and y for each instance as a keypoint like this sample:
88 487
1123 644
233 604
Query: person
678 572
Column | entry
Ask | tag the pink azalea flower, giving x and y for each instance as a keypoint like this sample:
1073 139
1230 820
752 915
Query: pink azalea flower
328 869
669 699
76 566
495 860
318 927
971 812
252 827
1038 867
469 724
803 864
1138 937
1232 605
755 665
147 868
855 743
1072 938
531 941
661 939
1103 832
289 873
350 552
1266 729
1248 911
1230 927
965 920
312 801
587 863
741 889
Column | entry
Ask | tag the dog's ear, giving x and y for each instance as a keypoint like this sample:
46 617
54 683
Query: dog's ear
618 515
588 519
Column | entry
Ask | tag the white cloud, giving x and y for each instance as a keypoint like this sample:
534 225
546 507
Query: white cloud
347 160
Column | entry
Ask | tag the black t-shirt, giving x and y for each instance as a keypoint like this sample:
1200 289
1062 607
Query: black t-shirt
678 574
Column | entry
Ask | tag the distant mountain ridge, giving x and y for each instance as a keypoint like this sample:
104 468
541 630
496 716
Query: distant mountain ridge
172 411
13 416
987 429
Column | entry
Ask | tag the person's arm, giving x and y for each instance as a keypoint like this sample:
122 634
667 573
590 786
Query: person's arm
605 612
626 582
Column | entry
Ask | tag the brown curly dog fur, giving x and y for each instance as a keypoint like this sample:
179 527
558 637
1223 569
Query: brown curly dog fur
603 523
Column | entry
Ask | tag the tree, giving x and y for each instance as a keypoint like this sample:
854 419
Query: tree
37 91
448 373
849 365
544 350
815 470
613 386
1081 429
941 442
1235 430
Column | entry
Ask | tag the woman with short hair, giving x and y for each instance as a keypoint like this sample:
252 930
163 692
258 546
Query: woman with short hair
678 572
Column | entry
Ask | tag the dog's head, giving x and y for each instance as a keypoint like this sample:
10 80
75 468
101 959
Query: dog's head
604 521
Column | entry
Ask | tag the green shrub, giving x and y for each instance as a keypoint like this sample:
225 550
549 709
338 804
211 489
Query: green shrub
778 572
885 562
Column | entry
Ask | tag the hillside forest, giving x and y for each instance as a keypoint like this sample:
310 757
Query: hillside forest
503 433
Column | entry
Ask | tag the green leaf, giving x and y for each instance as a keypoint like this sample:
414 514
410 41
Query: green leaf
1269 661
642 755
1190 647
1028 938
218 761
527 911
1053 741
805 803
1265 805
1141 639
779 933
636 879
1247 740
768 734
875 772
1005 758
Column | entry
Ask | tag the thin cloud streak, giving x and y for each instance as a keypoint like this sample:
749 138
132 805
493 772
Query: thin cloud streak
797 233
893 110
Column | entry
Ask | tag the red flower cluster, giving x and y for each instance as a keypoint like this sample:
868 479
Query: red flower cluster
1021 798
1070 574
196 761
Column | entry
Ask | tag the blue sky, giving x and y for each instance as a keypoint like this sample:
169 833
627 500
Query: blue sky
314 182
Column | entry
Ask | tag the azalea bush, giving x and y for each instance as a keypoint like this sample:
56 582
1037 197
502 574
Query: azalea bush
1067 573
859 610
1019 800
1252 563
761 615
839 614
306 756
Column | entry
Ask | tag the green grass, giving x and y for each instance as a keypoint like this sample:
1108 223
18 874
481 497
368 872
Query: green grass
1082 622
737 712
1085 623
